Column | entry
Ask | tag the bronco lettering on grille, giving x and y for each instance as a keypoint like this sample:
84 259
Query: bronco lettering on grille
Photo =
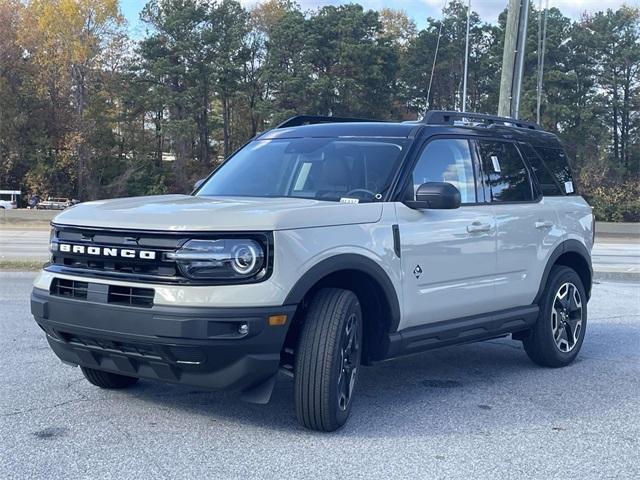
107 251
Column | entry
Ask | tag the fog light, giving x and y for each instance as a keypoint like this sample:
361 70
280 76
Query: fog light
243 329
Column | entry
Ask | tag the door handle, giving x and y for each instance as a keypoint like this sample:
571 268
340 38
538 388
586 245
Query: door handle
478 227
544 224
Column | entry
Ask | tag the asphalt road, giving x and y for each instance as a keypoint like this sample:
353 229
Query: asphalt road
474 411
24 244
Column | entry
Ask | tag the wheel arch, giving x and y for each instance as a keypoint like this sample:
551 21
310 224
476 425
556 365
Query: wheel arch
573 254
368 280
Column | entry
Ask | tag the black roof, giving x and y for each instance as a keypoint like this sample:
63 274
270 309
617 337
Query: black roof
434 123
343 129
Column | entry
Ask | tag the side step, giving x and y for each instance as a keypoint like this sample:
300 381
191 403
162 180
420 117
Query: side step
462 330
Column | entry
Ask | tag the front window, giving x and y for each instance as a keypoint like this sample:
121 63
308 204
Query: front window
331 169
446 160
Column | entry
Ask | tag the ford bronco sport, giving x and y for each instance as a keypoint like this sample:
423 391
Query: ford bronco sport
323 245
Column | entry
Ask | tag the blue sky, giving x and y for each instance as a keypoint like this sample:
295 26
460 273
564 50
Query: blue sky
419 10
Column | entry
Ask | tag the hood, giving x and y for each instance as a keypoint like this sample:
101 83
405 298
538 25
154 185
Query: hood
188 213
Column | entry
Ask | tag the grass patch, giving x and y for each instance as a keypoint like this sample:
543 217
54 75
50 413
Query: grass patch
30 265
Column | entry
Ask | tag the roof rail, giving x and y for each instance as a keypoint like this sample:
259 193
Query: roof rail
443 117
315 119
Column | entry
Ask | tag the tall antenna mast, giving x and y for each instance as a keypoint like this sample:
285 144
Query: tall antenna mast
466 60
435 58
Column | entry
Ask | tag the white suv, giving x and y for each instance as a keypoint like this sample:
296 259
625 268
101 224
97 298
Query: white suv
323 245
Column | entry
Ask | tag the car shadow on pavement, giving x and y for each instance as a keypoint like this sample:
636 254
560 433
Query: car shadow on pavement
473 388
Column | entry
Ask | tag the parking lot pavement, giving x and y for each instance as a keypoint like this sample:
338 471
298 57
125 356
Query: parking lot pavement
474 411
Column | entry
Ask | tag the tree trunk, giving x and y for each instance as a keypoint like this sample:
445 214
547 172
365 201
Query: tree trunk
81 151
616 137
181 150
225 125
158 133
204 122
626 114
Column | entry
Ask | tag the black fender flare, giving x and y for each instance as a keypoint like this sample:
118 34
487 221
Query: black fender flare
567 246
348 261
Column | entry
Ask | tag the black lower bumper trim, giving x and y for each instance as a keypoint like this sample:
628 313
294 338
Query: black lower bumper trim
199 346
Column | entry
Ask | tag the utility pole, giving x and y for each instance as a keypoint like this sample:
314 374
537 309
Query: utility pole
542 38
513 58
466 60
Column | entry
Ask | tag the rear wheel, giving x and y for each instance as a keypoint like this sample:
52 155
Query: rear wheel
557 337
106 379
328 359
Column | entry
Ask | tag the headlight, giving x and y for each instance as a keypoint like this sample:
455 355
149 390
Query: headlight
228 258
53 246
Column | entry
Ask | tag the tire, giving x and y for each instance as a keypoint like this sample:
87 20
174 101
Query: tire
556 338
323 398
107 380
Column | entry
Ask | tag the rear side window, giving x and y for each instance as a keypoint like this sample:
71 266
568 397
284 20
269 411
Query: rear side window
550 187
504 171
557 163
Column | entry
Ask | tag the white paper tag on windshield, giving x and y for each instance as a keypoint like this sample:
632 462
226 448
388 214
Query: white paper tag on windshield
496 164
349 200
568 186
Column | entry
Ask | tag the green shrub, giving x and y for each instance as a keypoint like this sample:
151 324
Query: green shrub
616 203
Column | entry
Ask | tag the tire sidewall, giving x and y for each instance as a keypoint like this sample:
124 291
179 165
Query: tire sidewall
557 279
354 308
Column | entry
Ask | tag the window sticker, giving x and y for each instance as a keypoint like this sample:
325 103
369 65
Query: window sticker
568 186
349 200
496 163
302 177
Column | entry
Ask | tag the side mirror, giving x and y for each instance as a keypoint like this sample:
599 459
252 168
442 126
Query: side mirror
436 195
198 184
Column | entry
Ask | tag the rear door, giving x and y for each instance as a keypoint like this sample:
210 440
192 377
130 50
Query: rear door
448 256
527 226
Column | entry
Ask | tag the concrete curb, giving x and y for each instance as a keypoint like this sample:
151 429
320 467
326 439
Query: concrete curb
612 229
604 276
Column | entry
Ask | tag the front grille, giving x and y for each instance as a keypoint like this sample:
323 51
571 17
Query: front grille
160 269
136 268
102 293
69 288
136 297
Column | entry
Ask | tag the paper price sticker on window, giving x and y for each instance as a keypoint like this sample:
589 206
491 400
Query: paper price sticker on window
568 186
496 163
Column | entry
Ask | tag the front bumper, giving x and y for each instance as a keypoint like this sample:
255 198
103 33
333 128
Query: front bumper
198 346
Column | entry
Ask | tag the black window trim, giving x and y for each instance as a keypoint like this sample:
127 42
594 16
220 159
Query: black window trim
536 191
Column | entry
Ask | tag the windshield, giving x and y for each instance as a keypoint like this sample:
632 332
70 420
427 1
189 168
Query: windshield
331 169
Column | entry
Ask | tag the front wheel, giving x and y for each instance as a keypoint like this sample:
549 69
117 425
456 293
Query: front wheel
557 336
328 359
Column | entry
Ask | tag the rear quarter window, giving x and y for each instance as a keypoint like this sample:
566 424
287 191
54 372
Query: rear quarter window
548 184
557 164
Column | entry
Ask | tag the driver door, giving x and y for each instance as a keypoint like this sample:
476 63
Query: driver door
448 256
